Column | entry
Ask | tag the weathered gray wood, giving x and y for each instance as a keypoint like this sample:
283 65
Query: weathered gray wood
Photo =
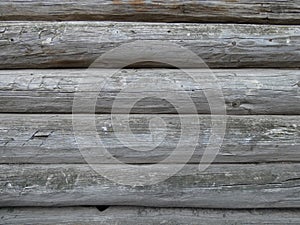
47 139
220 186
78 44
246 91
143 215
238 11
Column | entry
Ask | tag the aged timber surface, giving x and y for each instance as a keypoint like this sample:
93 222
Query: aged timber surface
78 44
49 138
144 215
245 91
238 11
220 186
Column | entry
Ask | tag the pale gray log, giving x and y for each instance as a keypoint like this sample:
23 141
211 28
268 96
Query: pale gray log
246 91
78 44
219 186
42 138
143 215
238 11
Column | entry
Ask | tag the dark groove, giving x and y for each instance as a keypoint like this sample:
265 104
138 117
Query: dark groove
102 208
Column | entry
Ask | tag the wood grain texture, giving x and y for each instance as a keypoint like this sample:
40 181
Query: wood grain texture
246 91
220 186
237 11
142 215
50 139
78 44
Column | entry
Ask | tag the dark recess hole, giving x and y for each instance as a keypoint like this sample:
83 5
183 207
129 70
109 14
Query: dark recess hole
102 208
236 104
11 39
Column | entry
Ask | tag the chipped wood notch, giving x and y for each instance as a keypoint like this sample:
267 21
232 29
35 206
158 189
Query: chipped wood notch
41 134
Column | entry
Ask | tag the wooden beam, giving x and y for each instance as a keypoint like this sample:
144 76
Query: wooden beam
142 215
238 11
49 138
220 186
246 91
78 44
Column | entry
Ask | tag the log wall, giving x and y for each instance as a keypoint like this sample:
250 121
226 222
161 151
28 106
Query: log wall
252 48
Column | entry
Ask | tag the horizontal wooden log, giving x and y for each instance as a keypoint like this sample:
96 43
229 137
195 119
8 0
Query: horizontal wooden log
49 138
246 91
142 215
239 11
220 186
78 44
